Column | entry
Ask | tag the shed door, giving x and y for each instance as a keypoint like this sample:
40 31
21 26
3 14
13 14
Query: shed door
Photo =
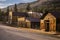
47 25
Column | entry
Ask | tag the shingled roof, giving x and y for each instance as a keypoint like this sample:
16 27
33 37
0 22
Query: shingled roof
56 14
33 19
22 14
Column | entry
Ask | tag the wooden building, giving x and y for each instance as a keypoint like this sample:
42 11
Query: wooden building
29 22
50 22
13 16
22 19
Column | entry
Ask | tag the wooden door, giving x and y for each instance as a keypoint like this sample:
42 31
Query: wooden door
47 25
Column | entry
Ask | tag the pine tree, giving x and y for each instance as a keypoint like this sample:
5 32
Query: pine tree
15 8
0 10
28 8
0 15
8 9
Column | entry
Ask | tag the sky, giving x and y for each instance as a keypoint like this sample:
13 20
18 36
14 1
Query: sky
5 3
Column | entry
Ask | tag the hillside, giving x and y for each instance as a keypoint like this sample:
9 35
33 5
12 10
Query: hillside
40 3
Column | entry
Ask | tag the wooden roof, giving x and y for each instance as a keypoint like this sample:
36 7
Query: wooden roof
33 19
22 14
56 14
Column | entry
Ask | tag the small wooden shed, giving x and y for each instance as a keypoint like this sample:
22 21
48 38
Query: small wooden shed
50 21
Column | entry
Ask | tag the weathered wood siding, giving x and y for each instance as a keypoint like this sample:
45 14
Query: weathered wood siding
42 24
10 17
26 22
21 22
52 23
21 19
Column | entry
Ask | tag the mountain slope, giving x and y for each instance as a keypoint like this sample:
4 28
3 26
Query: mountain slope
39 3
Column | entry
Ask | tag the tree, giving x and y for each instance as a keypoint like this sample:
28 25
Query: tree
35 9
8 9
6 14
28 8
38 9
0 15
15 8
0 10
